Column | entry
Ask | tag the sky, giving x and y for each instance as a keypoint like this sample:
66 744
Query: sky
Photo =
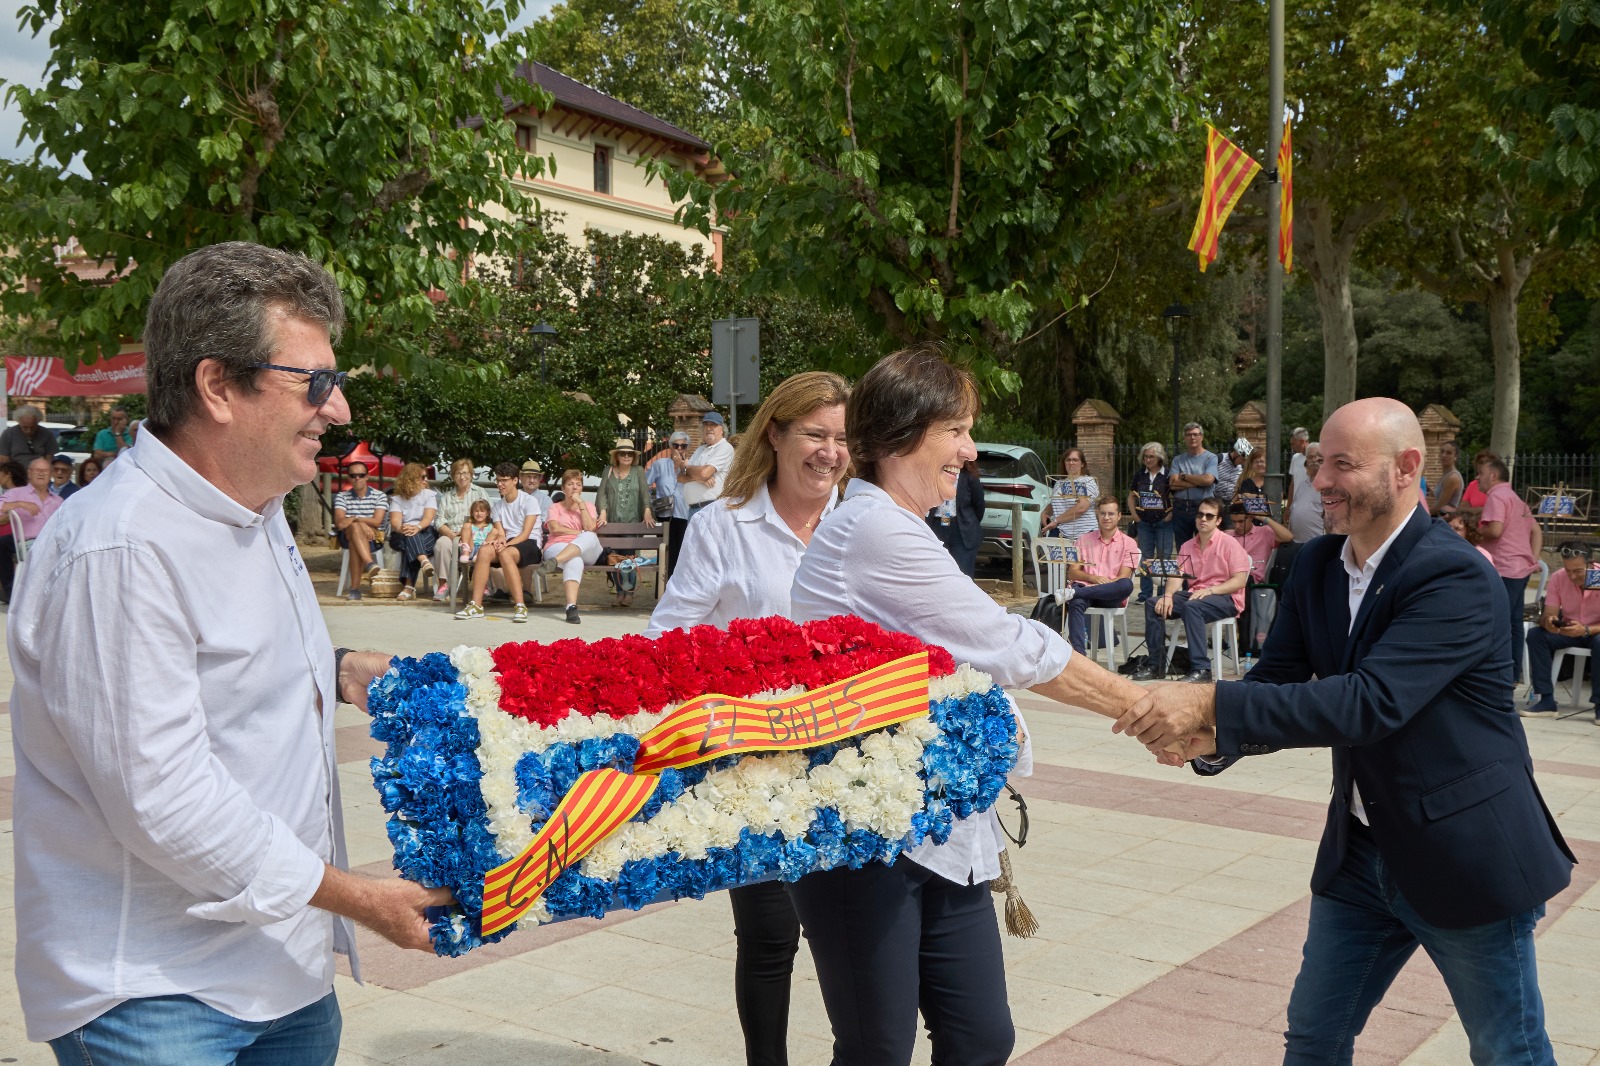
23 58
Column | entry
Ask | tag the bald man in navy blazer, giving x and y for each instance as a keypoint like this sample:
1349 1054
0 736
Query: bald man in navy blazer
1388 649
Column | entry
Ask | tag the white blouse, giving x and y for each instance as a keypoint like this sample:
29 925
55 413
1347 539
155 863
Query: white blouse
873 558
737 562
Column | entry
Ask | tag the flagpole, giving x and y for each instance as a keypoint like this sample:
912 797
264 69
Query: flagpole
1274 267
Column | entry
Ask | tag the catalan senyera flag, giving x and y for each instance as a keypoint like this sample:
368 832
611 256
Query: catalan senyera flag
1228 174
1286 205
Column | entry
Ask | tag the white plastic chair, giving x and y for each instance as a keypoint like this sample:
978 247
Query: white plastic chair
1580 656
1216 630
1054 573
1107 617
18 541
1530 624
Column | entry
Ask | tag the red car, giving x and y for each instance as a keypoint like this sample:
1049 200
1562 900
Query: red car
383 470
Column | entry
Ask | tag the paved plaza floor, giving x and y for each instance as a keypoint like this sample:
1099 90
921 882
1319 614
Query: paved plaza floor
1172 910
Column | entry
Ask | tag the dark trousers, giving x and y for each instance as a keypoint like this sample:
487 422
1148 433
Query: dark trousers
767 932
413 549
1196 615
1515 588
1542 648
679 527
8 564
1155 541
949 535
1361 933
1110 594
1183 512
889 941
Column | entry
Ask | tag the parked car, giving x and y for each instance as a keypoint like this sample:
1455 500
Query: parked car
1010 473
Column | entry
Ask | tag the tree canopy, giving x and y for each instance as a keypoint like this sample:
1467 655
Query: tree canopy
365 133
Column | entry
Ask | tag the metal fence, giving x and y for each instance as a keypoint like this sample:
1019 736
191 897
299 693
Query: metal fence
1548 471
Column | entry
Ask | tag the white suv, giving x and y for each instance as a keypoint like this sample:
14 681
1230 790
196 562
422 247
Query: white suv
1010 473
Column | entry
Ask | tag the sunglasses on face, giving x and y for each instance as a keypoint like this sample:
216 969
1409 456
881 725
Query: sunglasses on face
1202 516
321 382
362 474
1575 553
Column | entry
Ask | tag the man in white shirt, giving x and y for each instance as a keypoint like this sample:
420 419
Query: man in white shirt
1299 437
1305 502
513 543
700 479
180 868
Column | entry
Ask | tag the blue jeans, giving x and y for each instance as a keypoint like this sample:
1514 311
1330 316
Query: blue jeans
1362 931
182 1031
1542 648
1110 594
1155 540
1195 615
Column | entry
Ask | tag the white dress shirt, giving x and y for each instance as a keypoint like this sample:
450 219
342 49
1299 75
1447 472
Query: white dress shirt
875 559
719 455
1360 580
176 787
737 562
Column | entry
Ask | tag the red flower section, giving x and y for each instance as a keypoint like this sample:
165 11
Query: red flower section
619 676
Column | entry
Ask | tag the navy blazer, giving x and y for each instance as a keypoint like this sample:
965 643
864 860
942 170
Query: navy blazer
1416 701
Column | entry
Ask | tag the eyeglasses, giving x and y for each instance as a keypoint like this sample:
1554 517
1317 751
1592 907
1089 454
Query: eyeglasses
1575 553
1199 515
321 384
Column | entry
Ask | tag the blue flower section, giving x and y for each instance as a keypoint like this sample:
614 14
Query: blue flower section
429 781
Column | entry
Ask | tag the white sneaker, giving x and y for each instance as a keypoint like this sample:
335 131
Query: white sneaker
471 610
520 614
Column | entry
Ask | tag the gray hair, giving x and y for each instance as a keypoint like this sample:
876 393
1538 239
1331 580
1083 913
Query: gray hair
1153 446
214 304
1317 444
28 409
1194 425
1299 433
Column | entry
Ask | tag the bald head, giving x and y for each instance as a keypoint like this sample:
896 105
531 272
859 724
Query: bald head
1379 422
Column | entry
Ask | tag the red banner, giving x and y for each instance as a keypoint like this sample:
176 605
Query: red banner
42 376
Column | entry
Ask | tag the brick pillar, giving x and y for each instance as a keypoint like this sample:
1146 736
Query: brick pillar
1438 426
1096 422
686 412
1251 424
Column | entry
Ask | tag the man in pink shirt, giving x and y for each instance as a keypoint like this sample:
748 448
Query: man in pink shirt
1258 535
1103 576
1508 530
35 504
1217 568
1571 620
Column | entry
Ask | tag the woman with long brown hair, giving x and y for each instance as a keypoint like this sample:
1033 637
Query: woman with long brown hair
738 561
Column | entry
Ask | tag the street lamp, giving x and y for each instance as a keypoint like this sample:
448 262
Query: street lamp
1176 319
543 334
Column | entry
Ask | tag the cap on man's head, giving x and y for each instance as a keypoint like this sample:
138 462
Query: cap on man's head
678 437
531 467
714 418
62 457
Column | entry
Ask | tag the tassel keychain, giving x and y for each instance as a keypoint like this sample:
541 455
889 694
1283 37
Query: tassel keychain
1020 921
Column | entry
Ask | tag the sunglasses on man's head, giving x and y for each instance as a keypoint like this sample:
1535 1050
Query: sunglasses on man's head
321 382
1575 553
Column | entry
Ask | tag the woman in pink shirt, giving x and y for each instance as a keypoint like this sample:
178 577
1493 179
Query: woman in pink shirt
1571 619
1513 538
570 541
1103 576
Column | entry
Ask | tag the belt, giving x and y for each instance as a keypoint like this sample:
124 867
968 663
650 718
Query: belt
693 507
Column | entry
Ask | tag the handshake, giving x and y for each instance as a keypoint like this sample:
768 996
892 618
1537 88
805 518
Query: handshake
1175 721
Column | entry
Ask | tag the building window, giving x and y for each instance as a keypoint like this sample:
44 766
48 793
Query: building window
602 168
527 139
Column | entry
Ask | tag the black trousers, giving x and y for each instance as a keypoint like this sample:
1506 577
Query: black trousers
889 941
767 932
679 527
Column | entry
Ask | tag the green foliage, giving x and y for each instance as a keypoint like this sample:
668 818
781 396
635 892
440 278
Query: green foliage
493 421
633 315
349 130
935 165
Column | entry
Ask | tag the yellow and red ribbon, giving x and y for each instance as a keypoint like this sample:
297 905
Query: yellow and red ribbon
706 727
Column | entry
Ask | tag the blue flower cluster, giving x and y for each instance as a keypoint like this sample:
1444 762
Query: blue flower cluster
428 781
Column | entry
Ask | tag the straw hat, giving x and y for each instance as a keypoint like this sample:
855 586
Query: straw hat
623 444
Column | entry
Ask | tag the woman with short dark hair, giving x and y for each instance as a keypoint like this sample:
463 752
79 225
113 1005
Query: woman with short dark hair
921 934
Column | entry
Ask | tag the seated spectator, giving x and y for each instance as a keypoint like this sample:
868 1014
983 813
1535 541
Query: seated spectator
114 439
61 477
512 544
88 470
623 498
531 480
570 539
1217 569
12 474
35 502
1072 498
475 531
413 506
1103 575
359 515
1258 535
455 506
1571 619
1466 527
28 440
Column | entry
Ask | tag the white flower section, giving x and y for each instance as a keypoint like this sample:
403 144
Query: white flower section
876 787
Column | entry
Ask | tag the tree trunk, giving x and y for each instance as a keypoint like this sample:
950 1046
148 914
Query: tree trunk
1502 304
1329 266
